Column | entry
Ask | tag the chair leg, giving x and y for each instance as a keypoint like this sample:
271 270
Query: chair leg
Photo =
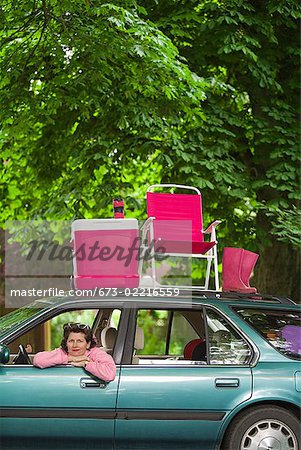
209 260
238 265
141 259
215 263
153 262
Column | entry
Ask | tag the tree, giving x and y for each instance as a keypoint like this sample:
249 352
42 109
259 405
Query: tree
251 124
99 99
88 88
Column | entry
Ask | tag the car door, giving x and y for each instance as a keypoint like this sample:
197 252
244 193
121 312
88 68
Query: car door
169 402
59 407
56 408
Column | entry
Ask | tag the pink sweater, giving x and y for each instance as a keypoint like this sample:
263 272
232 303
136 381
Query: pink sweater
101 364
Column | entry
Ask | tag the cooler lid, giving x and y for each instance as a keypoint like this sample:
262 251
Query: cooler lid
104 224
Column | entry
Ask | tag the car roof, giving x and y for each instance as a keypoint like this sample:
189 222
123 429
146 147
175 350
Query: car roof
186 299
183 297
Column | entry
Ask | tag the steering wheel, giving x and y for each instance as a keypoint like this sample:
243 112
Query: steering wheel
22 356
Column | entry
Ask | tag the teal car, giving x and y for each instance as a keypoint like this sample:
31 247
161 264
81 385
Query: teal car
198 370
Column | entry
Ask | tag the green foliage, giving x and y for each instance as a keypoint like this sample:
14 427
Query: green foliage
88 89
101 99
286 224
247 147
154 325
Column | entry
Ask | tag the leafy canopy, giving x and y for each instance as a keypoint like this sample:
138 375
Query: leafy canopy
99 99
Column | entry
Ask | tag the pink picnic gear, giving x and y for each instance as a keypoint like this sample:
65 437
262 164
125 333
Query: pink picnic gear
175 224
101 253
108 253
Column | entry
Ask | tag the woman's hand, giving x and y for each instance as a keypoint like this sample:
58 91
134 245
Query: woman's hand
78 361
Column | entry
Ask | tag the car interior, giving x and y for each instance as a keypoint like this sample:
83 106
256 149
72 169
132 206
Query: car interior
162 337
48 335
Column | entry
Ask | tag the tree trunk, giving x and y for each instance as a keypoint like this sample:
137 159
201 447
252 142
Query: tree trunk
278 271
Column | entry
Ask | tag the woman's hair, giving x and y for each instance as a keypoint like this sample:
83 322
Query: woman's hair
77 328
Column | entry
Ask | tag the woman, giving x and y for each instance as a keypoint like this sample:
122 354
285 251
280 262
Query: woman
78 348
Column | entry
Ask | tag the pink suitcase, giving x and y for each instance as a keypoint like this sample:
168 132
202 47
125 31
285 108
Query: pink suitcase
105 253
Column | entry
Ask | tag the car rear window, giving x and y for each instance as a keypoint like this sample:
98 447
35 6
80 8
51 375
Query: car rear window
282 329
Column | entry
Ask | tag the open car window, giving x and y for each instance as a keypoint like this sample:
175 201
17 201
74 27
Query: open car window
187 337
48 335
161 335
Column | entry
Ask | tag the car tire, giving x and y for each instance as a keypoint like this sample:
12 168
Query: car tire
263 427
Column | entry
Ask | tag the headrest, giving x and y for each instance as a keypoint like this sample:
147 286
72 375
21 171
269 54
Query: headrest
195 350
139 339
108 336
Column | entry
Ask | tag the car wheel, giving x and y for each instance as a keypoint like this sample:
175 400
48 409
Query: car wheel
263 428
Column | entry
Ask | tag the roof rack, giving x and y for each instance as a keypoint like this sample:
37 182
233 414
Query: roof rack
231 295
192 292
259 297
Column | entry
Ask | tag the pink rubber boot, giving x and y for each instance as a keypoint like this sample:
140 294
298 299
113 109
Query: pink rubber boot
237 267
249 261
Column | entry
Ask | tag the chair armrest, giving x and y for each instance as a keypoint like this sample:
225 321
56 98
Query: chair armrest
212 226
147 223
146 228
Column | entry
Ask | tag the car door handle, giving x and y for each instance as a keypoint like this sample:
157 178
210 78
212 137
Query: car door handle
90 383
226 382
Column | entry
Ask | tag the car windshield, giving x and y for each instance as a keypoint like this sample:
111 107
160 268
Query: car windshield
14 318
282 329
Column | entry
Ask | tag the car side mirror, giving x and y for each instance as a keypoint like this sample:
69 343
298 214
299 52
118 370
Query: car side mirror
4 354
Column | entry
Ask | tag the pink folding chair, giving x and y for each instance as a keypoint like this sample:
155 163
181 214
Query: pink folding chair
175 224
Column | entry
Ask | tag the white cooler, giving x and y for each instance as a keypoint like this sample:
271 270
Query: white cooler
106 253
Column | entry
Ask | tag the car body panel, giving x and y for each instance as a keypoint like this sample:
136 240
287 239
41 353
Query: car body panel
277 389
53 402
161 405
284 379
199 395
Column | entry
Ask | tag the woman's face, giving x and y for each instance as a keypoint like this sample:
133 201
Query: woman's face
77 344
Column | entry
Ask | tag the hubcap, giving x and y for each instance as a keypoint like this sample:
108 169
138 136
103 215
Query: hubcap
269 434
